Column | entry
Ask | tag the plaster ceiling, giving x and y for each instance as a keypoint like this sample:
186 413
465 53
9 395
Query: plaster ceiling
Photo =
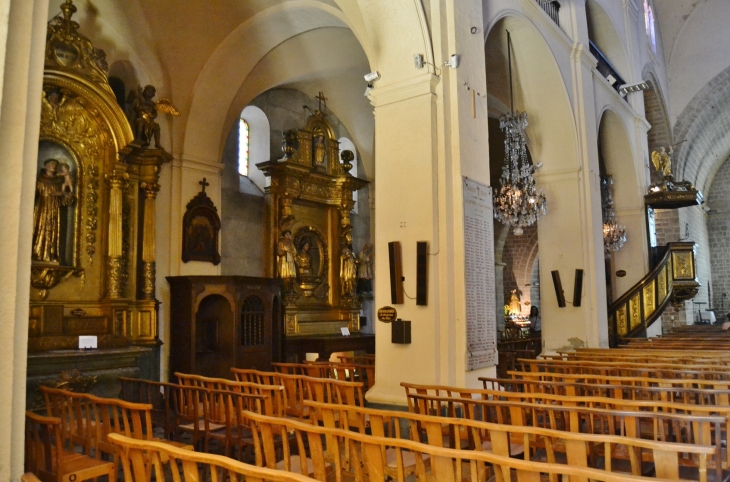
208 56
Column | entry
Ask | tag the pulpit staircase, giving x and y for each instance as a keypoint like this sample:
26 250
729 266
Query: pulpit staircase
672 279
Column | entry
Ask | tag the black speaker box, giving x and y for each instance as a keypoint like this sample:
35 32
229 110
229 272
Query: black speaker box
558 288
396 273
577 287
422 273
401 332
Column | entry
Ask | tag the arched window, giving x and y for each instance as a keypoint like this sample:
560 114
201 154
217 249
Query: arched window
254 134
347 145
243 145
649 21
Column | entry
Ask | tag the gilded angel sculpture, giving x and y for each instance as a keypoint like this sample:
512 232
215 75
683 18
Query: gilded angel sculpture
662 162
145 112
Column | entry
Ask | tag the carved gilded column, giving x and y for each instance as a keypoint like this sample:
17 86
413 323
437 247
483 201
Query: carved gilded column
148 240
116 269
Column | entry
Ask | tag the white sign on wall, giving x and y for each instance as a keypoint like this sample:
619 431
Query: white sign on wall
481 310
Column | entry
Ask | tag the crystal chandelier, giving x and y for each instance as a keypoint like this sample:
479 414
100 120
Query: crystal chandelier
614 235
518 202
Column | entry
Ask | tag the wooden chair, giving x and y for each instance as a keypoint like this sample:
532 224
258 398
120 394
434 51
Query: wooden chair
50 456
294 388
157 394
142 460
274 394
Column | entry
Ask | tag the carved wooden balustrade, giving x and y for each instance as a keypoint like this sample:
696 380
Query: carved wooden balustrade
672 279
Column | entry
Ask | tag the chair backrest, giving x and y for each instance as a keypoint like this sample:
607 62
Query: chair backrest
118 416
274 394
77 414
329 390
43 445
157 394
143 459
294 392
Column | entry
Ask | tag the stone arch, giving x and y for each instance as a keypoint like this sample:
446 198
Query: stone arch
603 33
546 102
701 129
250 47
540 89
617 158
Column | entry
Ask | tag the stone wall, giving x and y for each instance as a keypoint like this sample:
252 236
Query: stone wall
718 227
520 256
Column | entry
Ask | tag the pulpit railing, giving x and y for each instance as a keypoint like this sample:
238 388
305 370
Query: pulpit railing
673 279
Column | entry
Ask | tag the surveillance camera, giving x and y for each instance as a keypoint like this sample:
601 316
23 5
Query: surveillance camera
371 77
453 62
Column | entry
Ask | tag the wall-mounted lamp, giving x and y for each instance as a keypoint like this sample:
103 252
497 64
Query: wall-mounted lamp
370 78
629 88
418 61
453 62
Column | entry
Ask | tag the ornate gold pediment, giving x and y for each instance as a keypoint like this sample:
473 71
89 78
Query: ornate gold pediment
68 50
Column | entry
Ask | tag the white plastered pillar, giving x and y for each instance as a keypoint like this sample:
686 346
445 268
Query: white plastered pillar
429 132
571 235
22 45
179 181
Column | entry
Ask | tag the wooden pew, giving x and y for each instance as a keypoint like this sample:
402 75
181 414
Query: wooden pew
143 459
366 453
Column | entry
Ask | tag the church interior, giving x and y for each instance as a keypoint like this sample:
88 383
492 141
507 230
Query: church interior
313 223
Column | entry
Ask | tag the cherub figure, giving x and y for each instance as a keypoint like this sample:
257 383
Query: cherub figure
67 188
145 112
662 162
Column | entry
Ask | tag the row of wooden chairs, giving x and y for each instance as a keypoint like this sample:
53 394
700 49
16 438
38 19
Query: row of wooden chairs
72 441
326 453
346 371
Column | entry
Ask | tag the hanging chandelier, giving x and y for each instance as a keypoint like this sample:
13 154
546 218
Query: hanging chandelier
614 235
518 202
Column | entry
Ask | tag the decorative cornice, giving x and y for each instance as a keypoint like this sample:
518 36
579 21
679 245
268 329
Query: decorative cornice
199 164
414 87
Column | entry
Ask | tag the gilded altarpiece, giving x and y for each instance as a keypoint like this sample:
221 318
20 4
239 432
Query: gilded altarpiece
308 234
93 226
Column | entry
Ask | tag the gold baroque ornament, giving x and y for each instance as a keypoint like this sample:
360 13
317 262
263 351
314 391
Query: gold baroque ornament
67 49
148 280
66 119
116 277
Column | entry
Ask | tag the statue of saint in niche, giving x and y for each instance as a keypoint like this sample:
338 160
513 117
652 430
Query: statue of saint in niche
365 270
319 148
304 259
348 272
54 190
286 266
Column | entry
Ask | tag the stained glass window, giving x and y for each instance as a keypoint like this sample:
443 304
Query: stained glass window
649 21
243 148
